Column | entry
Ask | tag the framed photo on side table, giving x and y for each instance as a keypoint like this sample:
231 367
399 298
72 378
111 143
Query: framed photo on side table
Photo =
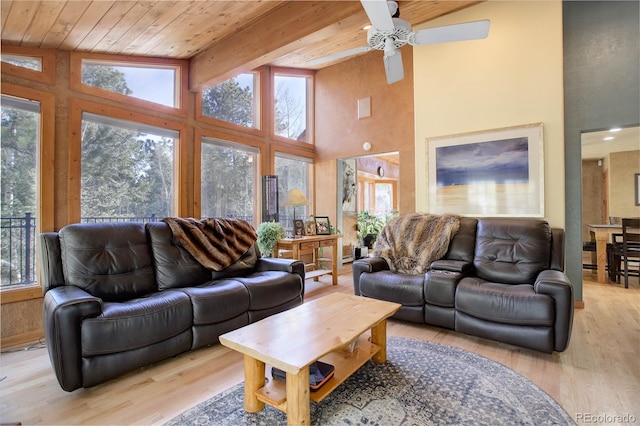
323 227
298 228
310 227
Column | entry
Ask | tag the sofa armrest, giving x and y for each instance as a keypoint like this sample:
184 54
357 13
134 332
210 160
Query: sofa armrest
366 264
277 264
557 285
64 310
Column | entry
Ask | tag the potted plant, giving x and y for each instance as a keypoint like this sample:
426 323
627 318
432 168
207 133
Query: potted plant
269 233
369 227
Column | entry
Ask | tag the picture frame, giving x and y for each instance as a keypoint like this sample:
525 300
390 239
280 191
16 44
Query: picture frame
348 192
310 227
498 172
323 227
298 228
637 186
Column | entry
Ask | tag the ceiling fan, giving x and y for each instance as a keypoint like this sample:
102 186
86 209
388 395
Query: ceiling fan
388 33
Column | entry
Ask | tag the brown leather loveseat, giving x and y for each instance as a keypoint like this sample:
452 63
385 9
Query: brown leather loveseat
119 296
501 279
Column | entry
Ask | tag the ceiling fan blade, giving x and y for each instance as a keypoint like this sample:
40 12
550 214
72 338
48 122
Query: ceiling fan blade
393 67
457 32
338 55
378 13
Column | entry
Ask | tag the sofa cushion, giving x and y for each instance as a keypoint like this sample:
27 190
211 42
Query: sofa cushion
512 251
175 267
406 289
243 266
111 261
269 289
136 323
504 303
217 301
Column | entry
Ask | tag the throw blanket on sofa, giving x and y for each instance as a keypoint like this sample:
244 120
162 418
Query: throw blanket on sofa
411 243
215 243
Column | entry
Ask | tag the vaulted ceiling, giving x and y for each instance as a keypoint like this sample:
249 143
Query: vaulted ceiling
220 38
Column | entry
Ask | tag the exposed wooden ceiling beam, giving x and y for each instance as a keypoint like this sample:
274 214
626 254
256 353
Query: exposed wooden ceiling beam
288 27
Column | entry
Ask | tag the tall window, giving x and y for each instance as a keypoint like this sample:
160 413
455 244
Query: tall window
127 170
228 179
293 172
291 107
236 101
151 83
19 147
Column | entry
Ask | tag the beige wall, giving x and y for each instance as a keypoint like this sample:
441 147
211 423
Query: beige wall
511 78
622 169
340 134
592 205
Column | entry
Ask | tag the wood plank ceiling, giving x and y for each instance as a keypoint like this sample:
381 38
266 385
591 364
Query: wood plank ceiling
220 38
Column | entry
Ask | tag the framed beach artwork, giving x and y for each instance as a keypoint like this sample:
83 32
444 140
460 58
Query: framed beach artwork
497 172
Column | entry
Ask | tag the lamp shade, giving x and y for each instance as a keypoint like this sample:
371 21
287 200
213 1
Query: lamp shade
295 198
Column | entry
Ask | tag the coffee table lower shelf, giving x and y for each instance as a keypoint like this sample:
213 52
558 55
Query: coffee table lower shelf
346 363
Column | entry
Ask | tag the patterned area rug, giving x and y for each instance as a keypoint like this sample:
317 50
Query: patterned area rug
422 383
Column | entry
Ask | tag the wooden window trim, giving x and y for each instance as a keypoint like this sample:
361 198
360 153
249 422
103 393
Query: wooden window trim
76 84
310 104
78 106
262 76
45 178
47 56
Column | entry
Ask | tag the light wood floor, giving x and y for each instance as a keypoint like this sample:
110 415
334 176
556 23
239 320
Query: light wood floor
598 374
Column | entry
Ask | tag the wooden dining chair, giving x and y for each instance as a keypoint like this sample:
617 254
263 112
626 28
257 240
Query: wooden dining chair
626 253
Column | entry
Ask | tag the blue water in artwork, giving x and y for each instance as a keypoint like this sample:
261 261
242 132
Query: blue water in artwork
501 161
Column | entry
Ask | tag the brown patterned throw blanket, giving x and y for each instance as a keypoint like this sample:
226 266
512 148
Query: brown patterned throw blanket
410 243
216 243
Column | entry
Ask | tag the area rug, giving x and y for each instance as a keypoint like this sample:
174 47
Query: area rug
422 383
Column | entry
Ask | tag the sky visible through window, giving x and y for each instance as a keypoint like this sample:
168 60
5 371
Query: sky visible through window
152 84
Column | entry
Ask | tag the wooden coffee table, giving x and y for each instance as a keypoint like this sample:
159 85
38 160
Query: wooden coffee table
321 329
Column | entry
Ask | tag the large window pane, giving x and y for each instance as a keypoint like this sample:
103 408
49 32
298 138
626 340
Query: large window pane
293 173
151 83
228 180
235 101
127 170
290 109
19 146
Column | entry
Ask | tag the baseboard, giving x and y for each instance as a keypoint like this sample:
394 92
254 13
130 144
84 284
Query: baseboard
21 339
578 304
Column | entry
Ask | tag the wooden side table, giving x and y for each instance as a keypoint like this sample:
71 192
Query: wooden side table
314 243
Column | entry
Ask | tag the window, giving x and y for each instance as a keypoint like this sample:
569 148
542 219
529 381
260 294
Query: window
19 147
127 170
291 106
28 62
236 101
228 179
293 172
153 83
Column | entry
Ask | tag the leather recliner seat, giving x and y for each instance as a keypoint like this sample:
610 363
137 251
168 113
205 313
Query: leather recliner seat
501 279
119 296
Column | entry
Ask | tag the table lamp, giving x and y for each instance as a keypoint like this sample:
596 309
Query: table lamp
295 198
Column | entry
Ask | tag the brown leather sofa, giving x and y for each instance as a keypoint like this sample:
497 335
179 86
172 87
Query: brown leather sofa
119 296
501 279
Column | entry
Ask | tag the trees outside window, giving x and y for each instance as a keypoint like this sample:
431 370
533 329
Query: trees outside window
18 202
228 179
293 172
291 119
234 101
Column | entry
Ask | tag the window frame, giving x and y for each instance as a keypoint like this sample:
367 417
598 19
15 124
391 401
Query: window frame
77 108
262 107
292 72
46 56
180 66
45 180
